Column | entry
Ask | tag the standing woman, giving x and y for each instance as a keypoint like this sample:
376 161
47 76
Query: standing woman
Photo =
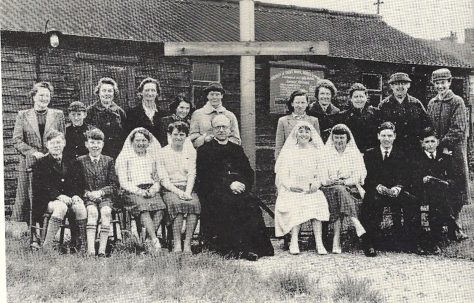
323 109
181 109
297 105
300 171
137 171
361 118
147 114
29 139
107 116
177 170
201 128
449 117
345 176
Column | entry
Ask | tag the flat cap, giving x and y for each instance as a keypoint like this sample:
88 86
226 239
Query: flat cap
441 74
399 77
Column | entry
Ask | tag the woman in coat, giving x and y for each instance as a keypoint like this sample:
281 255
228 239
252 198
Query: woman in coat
297 106
449 117
107 116
29 139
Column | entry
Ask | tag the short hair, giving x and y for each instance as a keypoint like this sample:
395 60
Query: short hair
42 84
358 86
386 125
296 93
341 129
149 80
107 80
428 132
180 98
95 134
180 126
141 130
220 116
326 84
54 133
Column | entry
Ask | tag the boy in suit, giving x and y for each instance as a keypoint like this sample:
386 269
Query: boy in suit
385 186
97 181
55 192
433 180
75 132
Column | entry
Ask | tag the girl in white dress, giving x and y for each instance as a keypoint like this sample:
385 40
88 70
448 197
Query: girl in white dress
300 171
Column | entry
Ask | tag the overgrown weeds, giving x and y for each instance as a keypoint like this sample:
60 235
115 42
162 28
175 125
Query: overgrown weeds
350 289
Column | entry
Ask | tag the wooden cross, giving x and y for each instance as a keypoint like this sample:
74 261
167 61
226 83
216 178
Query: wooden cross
247 49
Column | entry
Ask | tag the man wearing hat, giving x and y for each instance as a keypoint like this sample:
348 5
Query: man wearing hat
201 129
406 112
75 132
449 117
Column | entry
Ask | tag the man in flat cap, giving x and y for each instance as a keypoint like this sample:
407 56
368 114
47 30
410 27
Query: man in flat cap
449 117
406 112
75 132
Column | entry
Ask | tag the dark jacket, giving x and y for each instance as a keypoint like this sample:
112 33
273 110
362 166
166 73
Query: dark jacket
363 125
97 177
393 171
111 121
136 117
326 118
75 141
409 117
50 180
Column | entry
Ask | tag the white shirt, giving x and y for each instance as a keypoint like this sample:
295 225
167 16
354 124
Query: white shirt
429 154
383 150
149 112
94 158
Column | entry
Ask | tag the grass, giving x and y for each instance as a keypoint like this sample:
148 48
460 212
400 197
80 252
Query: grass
464 249
350 289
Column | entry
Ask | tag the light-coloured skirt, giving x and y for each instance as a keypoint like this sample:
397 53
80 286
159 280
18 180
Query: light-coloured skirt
292 209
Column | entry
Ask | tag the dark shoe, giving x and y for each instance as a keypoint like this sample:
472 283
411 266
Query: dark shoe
370 252
461 236
421 251
101 255
436 250
251 256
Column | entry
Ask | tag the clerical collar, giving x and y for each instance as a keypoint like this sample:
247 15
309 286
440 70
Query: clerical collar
221 142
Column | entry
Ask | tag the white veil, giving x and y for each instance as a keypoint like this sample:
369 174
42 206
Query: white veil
291 144
128 152
352 152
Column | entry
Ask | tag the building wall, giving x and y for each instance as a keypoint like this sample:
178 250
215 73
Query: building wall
75 69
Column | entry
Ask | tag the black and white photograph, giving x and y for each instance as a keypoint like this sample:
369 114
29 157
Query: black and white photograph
237 151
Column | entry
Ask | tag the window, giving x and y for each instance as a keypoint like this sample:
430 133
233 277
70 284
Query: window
203 74
373 82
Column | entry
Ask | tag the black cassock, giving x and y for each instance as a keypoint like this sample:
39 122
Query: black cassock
230 224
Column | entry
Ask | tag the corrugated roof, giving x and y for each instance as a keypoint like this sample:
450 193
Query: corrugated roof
350 35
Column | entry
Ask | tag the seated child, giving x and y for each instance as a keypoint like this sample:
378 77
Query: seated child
97 182
55 192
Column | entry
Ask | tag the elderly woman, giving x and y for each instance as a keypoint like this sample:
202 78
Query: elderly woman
137 170
147 114
344 178
300 171
177 170
362 118
107 116
29 139
297 105
201 128
181 109
323 109
448 114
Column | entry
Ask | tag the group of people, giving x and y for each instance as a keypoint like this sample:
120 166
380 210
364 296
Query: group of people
140 160
332 164
189 165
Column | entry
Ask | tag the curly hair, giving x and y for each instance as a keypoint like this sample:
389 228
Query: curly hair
42 84
107 80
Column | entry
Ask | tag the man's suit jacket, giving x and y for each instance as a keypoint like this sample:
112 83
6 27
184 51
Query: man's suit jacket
393 171
50 180
100 176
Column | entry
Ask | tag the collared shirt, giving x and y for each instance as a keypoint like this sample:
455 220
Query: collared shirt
324 107
431 155
94 159
383 150
298 117
149 112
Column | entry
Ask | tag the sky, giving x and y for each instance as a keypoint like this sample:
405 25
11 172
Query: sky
427 19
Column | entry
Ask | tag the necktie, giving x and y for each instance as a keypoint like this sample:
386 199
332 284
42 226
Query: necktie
95 161
432 157
385 156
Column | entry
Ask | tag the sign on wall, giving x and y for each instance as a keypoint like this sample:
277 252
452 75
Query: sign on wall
283 81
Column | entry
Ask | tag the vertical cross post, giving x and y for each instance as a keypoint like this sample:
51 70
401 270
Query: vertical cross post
247 82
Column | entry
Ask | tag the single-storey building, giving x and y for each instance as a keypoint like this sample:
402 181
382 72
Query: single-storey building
125 40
